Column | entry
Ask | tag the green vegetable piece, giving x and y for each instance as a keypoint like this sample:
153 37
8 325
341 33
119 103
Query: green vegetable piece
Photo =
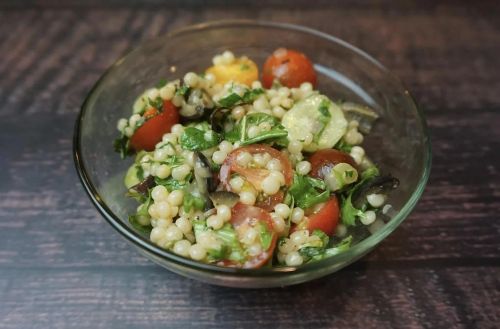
229 238
233 99
121 145
191 202
308 191
183 91
239 133
265 235
193 139
142 212
172 184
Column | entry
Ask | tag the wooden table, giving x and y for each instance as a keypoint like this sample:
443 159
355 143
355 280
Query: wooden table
63 266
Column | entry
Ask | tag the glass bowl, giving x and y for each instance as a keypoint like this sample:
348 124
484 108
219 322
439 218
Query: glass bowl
399 143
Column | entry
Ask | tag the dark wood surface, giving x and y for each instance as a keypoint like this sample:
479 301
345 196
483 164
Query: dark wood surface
63 266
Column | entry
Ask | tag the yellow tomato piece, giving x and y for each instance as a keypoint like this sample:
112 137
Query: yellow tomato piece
242 70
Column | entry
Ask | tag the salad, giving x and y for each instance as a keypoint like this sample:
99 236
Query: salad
241 172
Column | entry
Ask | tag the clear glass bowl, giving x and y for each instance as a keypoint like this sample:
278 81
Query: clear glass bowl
399 143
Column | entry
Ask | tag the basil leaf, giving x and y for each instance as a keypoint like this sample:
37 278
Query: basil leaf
308 191
193 139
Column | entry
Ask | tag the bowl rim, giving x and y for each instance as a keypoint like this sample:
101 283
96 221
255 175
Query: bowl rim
355 251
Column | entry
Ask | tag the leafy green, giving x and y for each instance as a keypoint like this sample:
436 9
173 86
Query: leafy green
171 184
308 191
240 131
191 202
233 98
317 248
193 139
343 146
342 246
229 238
121 145
348 211
265 235
183 90
142 212
157 103
161 83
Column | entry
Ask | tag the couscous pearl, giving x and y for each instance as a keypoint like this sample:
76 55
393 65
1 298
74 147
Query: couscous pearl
174 210
238 112
286 246
358 158
167 92
279 224
197 252
278 111
244 158
153 93
177 129
376 200
236 184
177 100
160 154
275 101
282 210
217 60
294 259
157 234
219 156
122 123
182 247
253 131
306 87
265 126
163 222
278 175
153 211
286 103
159 193
295 147
376 226
163 209
215 222
175 197
224 212
261 160
299 237
250 236
254 249
228 57
226 146
128 131
154 168
261 104
180 172
247 198
284 92
303 167
386 209
357 149
163 171
173 233
368 218
210 78
308 138
191 79
353 124
281 257
270 185
169 138
274 164
297 215
341 231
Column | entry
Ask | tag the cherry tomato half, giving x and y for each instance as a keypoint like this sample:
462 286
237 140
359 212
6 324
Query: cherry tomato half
152 131
289 67
242 218
254 175
322 161
324 219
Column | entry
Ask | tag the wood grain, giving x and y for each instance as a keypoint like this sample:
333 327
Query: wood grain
62 266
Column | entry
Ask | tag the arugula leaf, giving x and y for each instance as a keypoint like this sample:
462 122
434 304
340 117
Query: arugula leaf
172 184
239 132
193 139
191 201
234 99
121 145
308 191
348 211
317 248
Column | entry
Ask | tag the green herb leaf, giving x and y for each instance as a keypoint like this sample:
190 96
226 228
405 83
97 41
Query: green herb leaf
233 99
342 246
308 191
157 103
229 238
142 212
240 131
172 184
265 235
192 202
121 146
193 139
162 83
183 91
343 146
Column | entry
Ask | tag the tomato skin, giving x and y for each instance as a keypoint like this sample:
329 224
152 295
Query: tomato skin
242 214
326 219
152 131
268 203
291 68
322 161
254 176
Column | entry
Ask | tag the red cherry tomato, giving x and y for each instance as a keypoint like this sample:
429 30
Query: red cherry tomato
152 131
244 217
289 67
322 161
325 219
254 175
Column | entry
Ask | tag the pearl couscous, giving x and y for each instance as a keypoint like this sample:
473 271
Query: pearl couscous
244 173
